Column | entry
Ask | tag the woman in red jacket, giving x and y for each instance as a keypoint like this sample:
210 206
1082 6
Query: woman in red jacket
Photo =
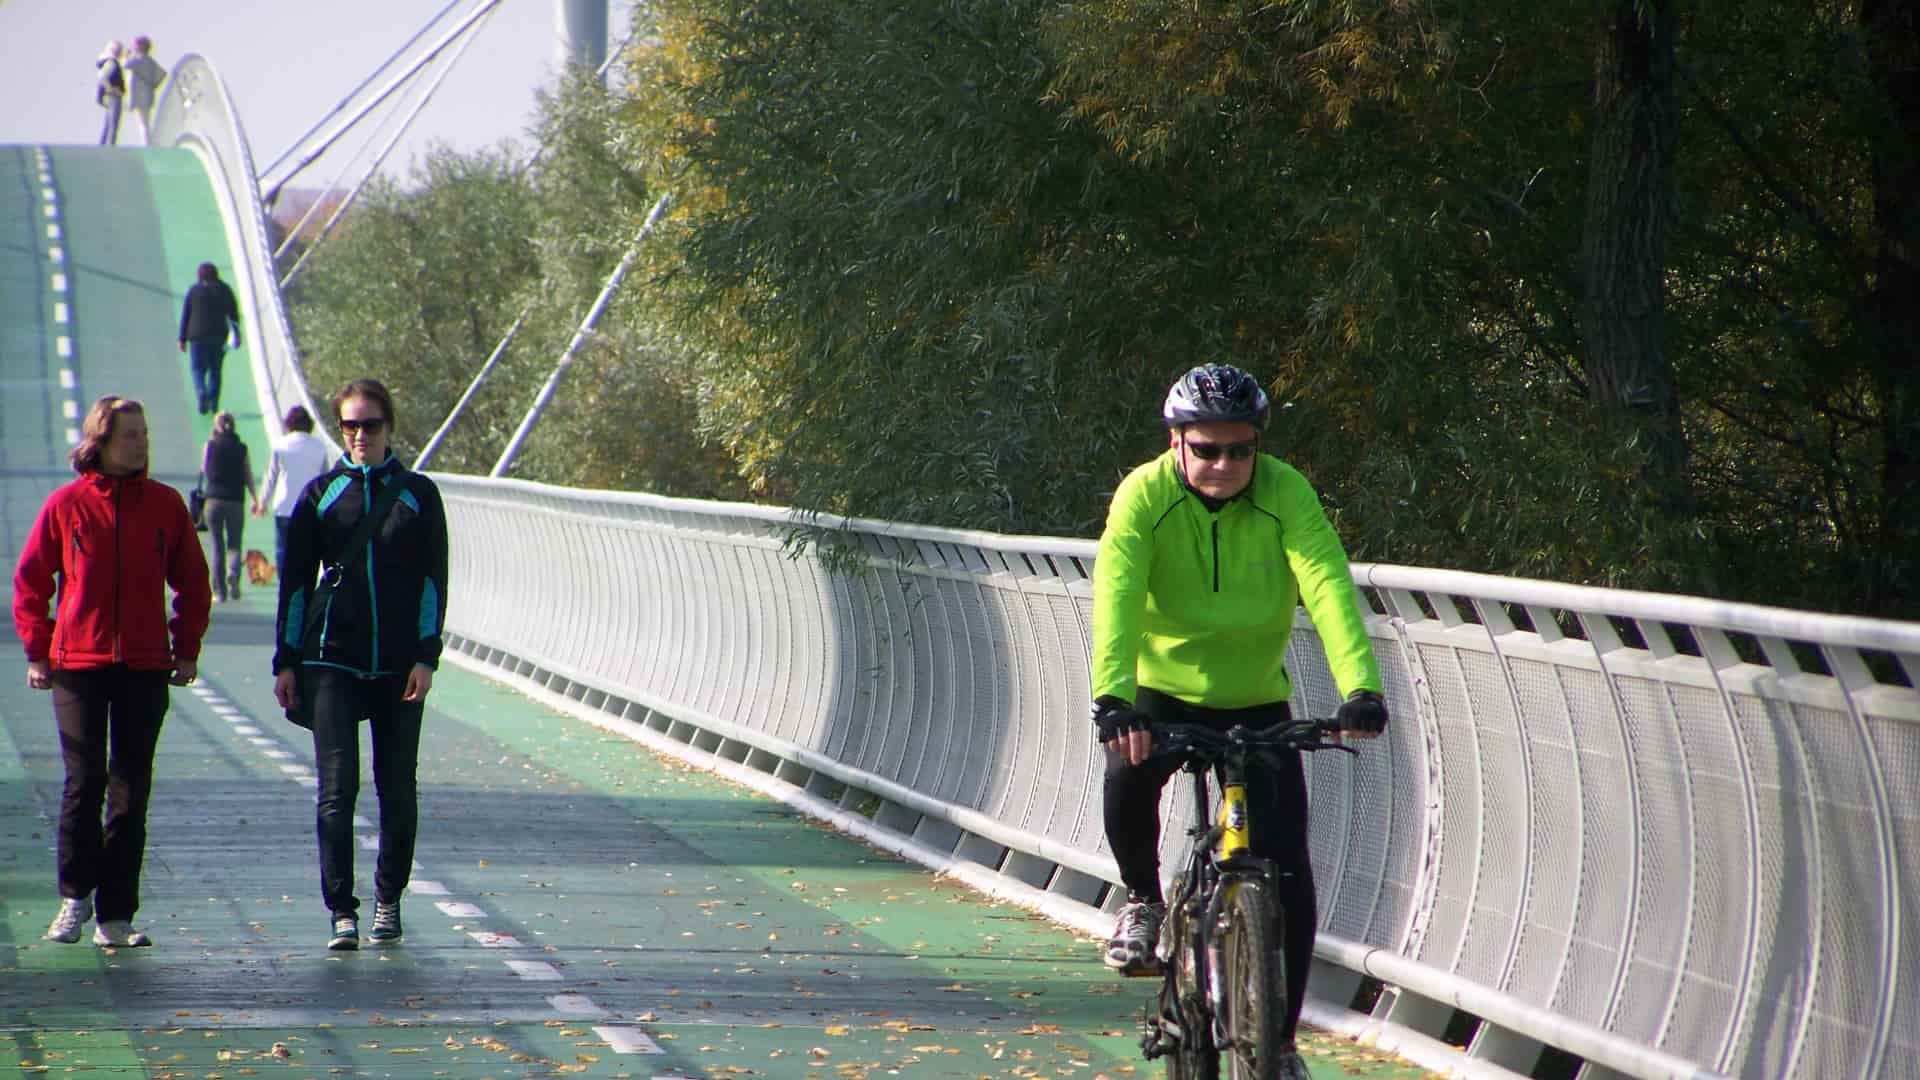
113 540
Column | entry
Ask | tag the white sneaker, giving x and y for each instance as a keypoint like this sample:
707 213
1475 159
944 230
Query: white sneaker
1132 949
119 933
66 925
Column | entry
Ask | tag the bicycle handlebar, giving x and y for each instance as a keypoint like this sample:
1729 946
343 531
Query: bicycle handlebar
1187 740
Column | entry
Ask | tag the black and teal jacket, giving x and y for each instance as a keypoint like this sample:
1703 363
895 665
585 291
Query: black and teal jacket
387 613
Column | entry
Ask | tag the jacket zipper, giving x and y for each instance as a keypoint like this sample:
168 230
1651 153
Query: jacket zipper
1216 554
373 593
119 570
79 556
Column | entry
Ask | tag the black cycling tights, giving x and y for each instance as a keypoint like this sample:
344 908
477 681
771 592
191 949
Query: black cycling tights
1276 798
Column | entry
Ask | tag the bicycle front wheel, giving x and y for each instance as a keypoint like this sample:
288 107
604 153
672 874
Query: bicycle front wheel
1254 982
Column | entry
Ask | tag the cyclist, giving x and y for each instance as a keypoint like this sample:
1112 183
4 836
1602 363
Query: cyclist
1206 550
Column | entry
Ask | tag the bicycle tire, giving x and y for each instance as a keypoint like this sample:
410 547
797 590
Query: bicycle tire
1193 1058
1255 982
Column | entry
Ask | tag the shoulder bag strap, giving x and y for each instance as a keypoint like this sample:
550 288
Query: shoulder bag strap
349 555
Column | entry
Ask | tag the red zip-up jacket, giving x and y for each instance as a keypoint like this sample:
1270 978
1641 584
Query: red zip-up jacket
115 543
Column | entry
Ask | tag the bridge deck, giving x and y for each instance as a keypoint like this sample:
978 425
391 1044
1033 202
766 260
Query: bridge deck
580 905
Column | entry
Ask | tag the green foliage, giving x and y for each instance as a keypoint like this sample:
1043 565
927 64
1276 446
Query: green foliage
417 284
422 283
938 262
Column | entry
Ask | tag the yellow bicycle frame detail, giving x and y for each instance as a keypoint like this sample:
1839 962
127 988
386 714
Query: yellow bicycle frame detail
1233 822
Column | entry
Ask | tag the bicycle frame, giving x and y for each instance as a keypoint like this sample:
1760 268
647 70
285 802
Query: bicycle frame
1220 859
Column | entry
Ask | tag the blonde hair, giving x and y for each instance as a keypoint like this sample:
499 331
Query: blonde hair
97 429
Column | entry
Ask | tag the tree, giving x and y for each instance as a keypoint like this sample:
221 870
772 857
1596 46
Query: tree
417 285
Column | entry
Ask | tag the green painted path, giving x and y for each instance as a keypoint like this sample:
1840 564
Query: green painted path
580 906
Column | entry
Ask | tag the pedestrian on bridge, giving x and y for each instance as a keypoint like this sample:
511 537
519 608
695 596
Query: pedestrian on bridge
109 545
226 476
363 599
298 456
110 90
144 76
208 314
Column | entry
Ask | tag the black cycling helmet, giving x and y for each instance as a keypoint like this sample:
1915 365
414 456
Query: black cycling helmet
1215 392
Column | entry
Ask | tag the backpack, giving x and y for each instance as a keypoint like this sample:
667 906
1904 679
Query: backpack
106 76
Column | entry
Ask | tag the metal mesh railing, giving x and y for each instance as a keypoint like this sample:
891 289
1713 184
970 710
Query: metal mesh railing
1673 821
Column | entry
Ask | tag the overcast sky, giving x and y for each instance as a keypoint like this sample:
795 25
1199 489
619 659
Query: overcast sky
286 63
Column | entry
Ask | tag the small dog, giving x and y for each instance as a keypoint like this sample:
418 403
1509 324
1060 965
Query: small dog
259 568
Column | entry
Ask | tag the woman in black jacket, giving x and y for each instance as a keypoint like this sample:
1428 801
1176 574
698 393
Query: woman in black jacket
358 638
226 479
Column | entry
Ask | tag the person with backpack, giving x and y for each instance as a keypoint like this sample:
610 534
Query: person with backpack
363 599
110 90
226 476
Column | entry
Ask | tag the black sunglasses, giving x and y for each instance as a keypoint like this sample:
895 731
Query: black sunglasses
370 425
1206 451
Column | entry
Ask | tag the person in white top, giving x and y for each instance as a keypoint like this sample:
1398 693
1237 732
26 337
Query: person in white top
298 457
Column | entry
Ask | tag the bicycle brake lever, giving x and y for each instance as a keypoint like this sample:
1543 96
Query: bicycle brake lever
1330 746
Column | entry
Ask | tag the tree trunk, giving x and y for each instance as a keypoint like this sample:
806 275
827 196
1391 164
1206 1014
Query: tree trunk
1893 50
1623 247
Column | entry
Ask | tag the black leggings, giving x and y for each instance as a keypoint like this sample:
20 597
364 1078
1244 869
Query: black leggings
109 722
1277 797
341 700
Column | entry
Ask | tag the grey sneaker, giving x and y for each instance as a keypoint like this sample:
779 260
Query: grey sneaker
119 934
66 925
1135 936
346 933
386 922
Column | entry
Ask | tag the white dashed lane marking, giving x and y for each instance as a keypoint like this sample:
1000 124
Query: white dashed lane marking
628 1040
623 1039
579 1006
535 970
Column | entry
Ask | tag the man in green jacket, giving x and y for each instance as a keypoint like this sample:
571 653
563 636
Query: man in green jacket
1207 550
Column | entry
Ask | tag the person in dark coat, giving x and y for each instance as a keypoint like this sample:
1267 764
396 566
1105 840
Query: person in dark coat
208 314
226 476
110 90
90 605
358 638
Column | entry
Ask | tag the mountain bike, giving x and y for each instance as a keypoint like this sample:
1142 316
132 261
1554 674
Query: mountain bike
1223 961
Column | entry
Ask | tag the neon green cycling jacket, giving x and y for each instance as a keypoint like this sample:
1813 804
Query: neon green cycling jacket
1200 604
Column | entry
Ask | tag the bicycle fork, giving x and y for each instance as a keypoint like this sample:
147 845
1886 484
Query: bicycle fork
1232 844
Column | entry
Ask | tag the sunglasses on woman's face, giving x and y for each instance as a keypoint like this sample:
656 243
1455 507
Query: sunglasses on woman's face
1207 451
371 425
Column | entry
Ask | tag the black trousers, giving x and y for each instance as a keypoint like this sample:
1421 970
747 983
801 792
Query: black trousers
1276 798
109 721
341 700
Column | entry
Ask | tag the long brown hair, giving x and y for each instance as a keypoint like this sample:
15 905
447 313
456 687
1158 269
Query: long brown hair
97 429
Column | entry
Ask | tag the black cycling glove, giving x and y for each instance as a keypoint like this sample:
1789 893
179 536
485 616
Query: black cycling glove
1363 711
1113 718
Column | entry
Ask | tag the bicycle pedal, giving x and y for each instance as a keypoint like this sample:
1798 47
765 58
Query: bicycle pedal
1143 969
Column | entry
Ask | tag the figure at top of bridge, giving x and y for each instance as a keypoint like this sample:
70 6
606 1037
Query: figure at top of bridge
110 90
144 76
